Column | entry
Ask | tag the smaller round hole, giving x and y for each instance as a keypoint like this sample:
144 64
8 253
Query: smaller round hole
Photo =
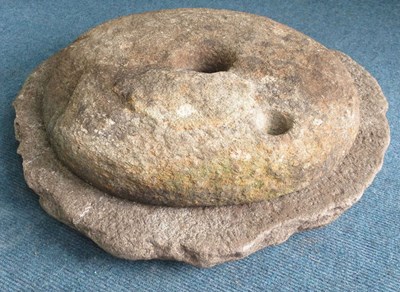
279 123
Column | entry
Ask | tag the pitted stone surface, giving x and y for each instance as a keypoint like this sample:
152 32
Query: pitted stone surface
187 108
202 236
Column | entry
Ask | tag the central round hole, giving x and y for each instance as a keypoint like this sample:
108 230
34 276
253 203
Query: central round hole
215 62
217 66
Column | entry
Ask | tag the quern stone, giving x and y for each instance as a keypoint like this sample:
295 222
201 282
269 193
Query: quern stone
180 134
188 108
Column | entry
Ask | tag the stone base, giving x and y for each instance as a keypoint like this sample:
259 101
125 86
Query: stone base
198 236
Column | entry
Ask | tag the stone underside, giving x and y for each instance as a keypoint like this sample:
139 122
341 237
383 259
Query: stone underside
187 108
202 236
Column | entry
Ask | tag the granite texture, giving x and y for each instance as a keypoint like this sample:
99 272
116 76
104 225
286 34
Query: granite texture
199 236
185 108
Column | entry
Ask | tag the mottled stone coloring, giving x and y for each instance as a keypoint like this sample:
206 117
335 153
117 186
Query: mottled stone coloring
198 135
199 108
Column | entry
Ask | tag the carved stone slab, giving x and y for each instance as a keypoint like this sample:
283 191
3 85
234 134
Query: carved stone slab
204 235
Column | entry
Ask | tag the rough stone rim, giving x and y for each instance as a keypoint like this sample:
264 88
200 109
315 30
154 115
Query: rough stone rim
135 231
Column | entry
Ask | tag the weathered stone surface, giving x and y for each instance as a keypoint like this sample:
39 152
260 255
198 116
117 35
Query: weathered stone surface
188 108
202 236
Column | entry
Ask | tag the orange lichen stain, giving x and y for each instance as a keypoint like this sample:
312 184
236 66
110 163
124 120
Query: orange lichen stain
246 181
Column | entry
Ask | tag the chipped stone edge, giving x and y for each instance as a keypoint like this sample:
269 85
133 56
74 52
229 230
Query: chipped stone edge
254 226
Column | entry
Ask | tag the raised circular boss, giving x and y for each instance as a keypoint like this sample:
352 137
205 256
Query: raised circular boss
200 109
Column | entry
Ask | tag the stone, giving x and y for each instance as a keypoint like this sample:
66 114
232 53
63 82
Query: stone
186 108
181 135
